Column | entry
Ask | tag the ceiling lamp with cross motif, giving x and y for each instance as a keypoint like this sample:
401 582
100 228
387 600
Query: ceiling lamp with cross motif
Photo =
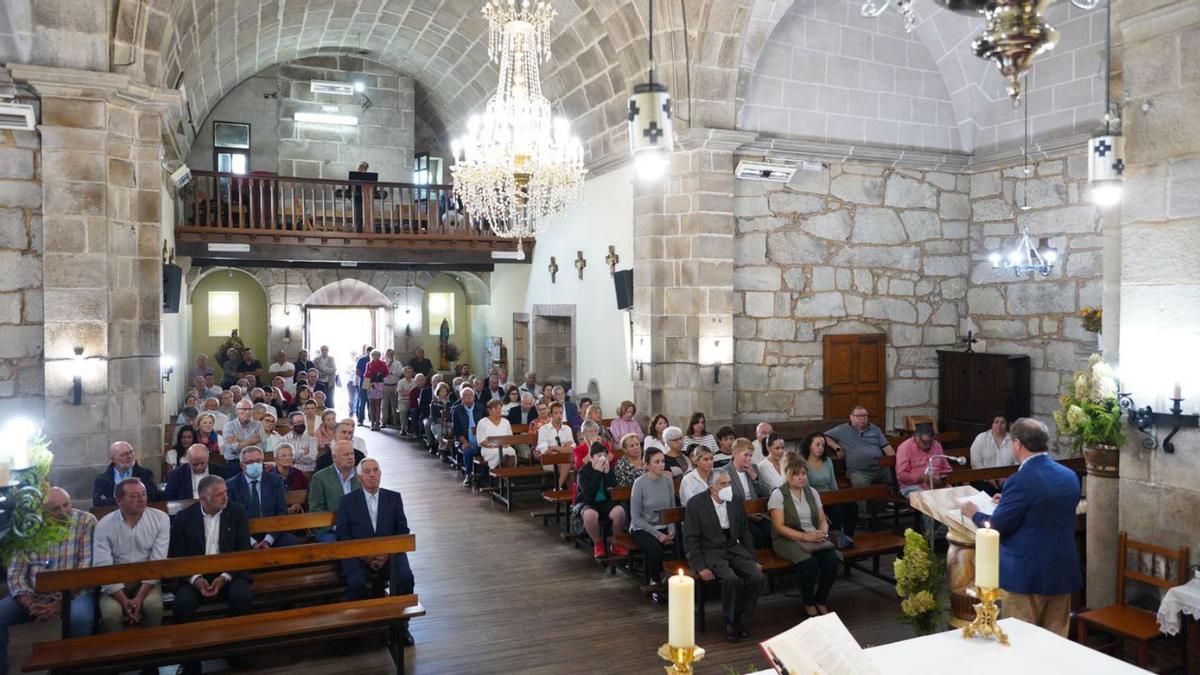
517 166
651 137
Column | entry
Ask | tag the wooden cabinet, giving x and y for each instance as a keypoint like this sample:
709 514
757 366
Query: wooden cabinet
974 387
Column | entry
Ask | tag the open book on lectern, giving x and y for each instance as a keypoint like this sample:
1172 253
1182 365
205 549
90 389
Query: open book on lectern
821 645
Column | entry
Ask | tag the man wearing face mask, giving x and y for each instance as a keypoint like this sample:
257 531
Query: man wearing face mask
304 446
718 544
262 494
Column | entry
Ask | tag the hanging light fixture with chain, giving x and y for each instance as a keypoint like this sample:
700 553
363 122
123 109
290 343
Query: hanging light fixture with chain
1106 151
651 135
517 166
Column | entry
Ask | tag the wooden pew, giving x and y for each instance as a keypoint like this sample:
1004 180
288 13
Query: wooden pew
557 497
505 479
963 476
172 507
171 644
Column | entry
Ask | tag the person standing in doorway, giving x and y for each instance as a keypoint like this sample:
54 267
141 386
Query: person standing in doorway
360 371
327 369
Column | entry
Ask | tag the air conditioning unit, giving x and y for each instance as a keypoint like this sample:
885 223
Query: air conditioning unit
17 116
335 88
775 173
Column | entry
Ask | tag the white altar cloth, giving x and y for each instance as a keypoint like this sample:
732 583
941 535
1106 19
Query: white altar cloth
1034 651
1179 599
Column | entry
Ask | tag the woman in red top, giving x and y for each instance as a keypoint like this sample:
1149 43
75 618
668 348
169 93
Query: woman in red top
293 478
373 381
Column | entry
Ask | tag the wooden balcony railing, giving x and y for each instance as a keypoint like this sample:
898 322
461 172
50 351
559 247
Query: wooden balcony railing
286 208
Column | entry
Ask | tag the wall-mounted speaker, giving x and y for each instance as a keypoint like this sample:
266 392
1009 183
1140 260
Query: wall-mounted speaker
623 284
172 286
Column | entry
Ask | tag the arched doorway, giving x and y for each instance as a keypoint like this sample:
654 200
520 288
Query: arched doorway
224 300
344 316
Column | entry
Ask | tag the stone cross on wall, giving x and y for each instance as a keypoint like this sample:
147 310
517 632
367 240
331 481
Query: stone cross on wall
580 263
970 341
553 268
612 259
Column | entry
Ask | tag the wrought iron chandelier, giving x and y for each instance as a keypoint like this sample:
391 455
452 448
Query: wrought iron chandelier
517 166
651 134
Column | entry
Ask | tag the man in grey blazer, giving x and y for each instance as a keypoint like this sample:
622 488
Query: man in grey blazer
717 542
743 476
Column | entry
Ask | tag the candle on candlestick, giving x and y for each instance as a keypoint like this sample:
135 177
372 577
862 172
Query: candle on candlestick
1178 391
987 558
681 605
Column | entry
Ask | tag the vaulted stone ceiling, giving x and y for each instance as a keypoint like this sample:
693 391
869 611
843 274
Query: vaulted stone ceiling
599 53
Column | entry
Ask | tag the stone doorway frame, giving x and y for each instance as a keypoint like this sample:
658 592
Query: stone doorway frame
516 374
560 311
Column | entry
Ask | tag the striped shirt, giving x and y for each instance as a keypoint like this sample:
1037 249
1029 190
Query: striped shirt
74 552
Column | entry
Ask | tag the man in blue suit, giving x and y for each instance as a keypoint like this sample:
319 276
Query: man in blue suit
184 479
373 512
1035 516
464 417
262 494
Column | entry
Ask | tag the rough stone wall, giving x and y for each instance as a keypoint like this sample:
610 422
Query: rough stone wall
854 248
1159 263
1036 315
269 101
21 375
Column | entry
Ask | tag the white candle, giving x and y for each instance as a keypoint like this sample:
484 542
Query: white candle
682 601
1178 391
987 558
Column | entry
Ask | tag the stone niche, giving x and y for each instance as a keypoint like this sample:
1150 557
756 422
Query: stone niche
268 102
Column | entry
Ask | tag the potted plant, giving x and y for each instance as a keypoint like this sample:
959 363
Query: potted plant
1092 322
450 352
1091 417
919 584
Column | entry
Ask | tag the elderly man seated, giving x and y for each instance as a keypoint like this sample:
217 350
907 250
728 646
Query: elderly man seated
121 465
241 433
344 431
183 482
133 533
74 551
719 546
262 494
327 486
371 511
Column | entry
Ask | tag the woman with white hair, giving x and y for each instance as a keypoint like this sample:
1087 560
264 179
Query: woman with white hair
677 462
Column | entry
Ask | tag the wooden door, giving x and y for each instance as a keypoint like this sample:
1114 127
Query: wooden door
855 374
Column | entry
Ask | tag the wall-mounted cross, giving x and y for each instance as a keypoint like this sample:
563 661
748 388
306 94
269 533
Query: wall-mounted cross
1119 167
1102 148
612 259
633 109
580 263
553 267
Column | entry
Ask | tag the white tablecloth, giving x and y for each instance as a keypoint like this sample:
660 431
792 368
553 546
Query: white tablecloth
1033 651
1179 599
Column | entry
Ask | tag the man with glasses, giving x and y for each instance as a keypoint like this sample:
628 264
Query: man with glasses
239 433
861 444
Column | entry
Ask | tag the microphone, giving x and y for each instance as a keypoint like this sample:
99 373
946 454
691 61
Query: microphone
956 459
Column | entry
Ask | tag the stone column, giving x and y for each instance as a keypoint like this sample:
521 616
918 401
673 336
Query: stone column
683 281
102 267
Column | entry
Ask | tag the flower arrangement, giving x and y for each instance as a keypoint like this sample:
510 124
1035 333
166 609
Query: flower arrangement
233 342
1090 413
919 584
450 352
24 525
1092 318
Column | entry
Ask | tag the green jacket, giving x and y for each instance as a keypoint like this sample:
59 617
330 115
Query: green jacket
325 491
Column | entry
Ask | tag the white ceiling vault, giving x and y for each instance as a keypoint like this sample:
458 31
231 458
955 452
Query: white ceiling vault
735 47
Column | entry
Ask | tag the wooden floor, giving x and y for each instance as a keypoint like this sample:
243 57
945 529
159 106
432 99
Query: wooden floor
505 595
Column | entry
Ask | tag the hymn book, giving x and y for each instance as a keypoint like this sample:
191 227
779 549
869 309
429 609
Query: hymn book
821 645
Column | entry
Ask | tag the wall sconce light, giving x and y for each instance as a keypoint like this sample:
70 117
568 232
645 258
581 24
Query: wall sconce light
712 353
641 371
717 373
167 362
1146 420
77 380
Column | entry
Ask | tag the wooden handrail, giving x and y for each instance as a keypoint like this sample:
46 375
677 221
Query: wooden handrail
298 521
62 580
303 207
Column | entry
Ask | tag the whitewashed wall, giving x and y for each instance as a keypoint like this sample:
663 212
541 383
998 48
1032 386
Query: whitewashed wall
603 218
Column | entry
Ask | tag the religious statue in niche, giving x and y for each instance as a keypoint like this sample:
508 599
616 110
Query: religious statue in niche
443 340
580 263
553 269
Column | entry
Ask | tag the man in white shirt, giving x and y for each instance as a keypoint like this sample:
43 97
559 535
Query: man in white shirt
529 386
328 374
390 403
281 367
212 526
304 446
555 437
761 432
132 533
403 386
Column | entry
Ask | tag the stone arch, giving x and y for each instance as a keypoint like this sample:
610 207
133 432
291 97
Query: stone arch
197 274
348 293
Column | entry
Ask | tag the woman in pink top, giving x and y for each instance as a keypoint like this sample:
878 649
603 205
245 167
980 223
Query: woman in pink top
626 423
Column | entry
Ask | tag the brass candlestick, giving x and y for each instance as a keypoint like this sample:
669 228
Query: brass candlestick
986 615
681 658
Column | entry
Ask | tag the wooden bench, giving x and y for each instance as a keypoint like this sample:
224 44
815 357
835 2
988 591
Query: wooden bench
506 479
556 497
175 506
791 430
870 545
169 644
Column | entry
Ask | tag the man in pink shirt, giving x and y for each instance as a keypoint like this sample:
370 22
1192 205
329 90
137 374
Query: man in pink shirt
913 458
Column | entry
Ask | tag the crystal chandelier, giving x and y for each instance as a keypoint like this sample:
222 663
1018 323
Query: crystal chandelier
873 9
517 167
